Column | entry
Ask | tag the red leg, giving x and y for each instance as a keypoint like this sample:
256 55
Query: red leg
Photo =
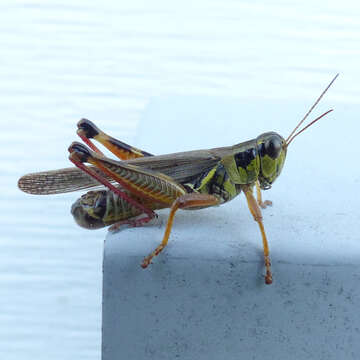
79 154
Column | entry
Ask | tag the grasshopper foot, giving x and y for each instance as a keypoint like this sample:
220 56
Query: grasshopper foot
264 204
268 275
136 222
147 261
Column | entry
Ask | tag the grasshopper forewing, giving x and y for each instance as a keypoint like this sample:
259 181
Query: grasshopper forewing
129 190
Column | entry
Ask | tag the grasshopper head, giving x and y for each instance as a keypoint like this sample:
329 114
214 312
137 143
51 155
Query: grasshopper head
272 152
89 210
272 147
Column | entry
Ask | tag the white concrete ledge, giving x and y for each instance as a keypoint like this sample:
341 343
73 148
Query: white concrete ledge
197 304
204 297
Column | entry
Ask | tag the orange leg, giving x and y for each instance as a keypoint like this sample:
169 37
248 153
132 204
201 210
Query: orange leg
256 213
186 201
88 130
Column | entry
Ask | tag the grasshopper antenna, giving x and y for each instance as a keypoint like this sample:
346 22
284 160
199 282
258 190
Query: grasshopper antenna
308 125
291 137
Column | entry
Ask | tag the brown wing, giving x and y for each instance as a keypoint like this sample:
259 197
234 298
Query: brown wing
56 181
182 167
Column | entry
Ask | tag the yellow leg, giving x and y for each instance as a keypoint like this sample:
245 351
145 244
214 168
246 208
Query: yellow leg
183 202
256 213
259 198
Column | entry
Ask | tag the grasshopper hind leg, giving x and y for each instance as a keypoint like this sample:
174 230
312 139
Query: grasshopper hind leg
137 221
87 130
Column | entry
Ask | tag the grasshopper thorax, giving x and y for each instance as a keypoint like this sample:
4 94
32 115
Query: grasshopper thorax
271 148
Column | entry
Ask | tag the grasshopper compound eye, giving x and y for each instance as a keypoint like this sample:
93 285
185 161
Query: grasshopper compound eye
272 146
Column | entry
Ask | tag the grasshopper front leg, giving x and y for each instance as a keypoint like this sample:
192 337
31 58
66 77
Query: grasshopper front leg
256 213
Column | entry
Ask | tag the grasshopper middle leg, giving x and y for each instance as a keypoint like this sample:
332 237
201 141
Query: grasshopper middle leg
186 201
262 204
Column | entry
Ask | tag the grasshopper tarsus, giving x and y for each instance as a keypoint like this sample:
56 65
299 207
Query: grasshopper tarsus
268 275
137 222
261 203
265 204
148 259
268 279
146 262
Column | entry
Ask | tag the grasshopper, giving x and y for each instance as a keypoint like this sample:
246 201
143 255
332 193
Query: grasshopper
140 183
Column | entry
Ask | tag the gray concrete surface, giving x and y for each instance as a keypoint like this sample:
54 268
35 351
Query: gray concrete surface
204 297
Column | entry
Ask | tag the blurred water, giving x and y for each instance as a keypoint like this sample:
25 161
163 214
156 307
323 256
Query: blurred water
61 61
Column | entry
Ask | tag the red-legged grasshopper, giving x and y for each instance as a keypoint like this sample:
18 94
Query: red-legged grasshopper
141 183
